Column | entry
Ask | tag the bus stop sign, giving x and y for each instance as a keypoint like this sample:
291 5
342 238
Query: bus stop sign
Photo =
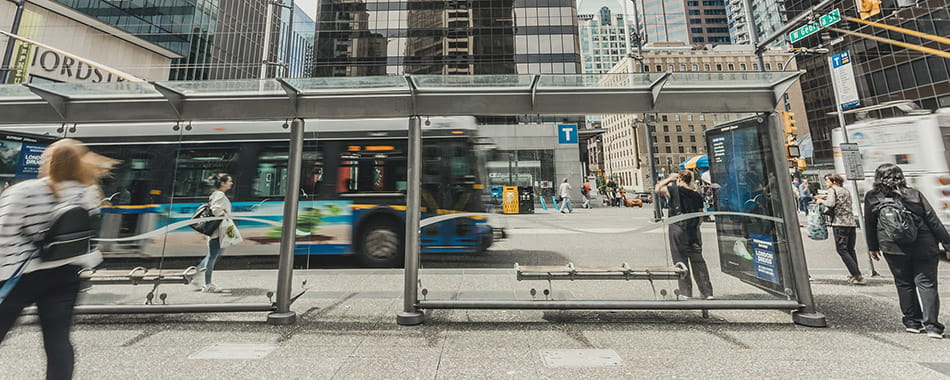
853 166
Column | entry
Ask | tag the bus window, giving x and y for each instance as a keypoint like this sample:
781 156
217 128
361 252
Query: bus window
372 170
271 177
196 164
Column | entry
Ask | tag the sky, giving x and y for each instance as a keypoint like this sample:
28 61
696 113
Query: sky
584 6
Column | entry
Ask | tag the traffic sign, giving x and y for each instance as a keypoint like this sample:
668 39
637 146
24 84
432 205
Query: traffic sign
808 29
853 165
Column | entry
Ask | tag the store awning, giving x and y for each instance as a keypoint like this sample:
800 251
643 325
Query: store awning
394 96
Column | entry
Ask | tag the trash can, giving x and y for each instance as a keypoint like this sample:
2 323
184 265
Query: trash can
526 199
510 200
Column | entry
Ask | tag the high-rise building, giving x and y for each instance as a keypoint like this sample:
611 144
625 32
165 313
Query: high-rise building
355 38
299 55
767 15
678 136
218 40
603 42
708 23
882 72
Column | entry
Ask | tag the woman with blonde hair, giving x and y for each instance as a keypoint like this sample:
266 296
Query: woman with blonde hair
69 175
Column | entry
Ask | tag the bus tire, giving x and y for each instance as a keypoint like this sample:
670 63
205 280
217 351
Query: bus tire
381 245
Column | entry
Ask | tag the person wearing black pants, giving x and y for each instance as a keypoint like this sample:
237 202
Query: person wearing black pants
912 262
686 243
843 224
54 291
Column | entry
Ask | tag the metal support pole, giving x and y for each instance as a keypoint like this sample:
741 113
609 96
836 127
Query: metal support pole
288 239
657 207
410 314
8 53
807 315
165 309
854 183
753 32
265 51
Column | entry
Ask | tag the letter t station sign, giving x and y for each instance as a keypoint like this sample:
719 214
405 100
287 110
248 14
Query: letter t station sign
567 134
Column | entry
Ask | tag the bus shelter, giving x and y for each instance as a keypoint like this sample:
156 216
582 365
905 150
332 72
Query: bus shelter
412 96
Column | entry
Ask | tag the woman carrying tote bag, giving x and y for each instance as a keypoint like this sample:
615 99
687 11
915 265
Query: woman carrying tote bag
224 236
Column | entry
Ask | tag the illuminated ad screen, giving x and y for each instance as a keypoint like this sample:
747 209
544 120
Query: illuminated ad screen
742 172
20 157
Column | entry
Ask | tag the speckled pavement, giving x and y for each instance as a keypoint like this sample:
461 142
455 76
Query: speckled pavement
346 330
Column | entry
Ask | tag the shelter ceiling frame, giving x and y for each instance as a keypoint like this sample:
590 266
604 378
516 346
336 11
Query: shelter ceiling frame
394 96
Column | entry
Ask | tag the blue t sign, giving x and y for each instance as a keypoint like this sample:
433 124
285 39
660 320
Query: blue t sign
567 134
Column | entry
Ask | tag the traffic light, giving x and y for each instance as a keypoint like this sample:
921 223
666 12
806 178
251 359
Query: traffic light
788 122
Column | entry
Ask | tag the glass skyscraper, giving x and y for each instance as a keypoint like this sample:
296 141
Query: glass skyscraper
883 72
218 39
379 37
603 43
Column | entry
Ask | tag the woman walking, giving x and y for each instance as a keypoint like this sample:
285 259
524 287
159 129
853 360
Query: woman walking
843 224
911 253
69 175
220 207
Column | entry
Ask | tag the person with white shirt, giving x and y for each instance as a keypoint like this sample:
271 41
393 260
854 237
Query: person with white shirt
69 176
564 191
220 207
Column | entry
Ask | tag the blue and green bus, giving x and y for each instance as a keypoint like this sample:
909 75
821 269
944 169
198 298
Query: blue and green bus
352 194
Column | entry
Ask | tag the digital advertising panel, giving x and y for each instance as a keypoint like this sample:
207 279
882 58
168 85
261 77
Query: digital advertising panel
743 174
20 157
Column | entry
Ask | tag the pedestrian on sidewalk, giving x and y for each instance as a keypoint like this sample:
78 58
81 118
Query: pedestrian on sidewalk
686 242
564 191
805 196
585 192
902 225
69 176
220 207
843 224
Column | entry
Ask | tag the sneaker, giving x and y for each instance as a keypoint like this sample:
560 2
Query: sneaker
710 298
934 335
198 280
212 288
914 330
857 280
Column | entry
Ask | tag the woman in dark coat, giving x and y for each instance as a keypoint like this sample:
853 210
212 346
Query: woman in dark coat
914 265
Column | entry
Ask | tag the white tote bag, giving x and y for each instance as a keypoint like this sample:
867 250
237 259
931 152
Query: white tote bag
229 233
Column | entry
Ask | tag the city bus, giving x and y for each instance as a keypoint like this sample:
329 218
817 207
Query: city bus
352 194
919 144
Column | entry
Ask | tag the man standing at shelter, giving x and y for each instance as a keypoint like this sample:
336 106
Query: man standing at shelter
564 191
686 243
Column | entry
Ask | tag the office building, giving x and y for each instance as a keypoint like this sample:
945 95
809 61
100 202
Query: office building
355 38
677 137
767 15
81 48
689 21
883 72
299 57
603 42
217 40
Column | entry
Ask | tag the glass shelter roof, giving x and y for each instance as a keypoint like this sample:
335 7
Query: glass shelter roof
393 96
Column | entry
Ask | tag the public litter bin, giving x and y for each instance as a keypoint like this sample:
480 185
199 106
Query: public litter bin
526 198
509 199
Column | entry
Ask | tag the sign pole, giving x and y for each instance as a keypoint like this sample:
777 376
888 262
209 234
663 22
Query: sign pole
844 133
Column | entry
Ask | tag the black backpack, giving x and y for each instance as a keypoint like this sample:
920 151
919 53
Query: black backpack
69 234
896 223
206 227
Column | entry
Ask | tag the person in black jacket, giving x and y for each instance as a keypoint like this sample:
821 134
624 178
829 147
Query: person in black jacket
914 265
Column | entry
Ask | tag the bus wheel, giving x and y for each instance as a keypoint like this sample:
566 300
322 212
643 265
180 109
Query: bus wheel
381 246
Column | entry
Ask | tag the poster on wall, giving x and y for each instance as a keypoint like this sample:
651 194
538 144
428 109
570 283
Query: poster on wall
20 157
751 246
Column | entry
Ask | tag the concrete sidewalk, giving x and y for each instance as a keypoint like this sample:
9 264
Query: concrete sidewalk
347 330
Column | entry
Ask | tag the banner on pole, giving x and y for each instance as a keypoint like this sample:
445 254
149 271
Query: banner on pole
842 78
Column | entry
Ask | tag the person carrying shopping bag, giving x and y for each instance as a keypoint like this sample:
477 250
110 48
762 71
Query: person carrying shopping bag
843 224
39 261
224 236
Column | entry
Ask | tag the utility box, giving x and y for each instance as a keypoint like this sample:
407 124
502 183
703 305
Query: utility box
510 202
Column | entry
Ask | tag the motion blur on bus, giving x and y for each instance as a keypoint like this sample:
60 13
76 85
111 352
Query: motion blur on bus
919 142
352 194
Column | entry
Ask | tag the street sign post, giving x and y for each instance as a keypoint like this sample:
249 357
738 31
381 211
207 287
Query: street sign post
853 165
806 30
